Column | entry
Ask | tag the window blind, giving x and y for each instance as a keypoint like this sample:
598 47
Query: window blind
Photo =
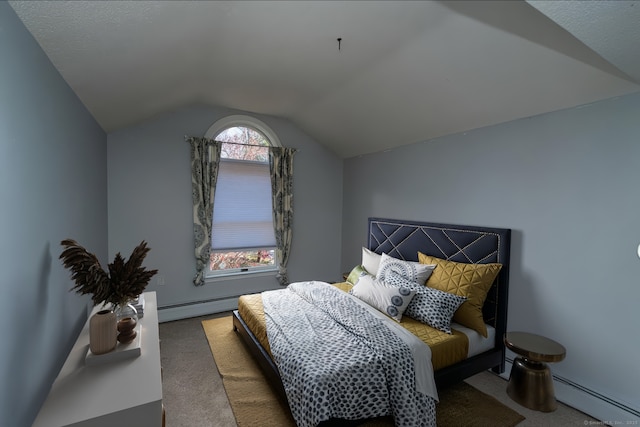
242 209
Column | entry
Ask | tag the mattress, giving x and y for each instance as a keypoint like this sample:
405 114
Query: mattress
446 349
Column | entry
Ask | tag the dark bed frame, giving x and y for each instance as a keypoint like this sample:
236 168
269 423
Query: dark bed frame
460 243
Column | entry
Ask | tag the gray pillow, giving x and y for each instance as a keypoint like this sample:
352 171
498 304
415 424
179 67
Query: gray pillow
430 306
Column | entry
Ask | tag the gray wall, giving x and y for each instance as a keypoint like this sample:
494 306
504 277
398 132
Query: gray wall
150 198
53 185
567 184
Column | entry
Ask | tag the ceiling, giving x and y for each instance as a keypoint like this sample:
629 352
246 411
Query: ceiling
405 71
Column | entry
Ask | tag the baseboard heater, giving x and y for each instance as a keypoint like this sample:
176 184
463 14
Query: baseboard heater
588 401
186 310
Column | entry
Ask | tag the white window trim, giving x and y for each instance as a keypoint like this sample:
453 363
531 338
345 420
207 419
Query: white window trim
240 120
243 121
221 277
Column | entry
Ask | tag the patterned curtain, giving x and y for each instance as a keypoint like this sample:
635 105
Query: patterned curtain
281 170
205 162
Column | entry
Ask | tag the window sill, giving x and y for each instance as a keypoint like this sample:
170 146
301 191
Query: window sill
240 275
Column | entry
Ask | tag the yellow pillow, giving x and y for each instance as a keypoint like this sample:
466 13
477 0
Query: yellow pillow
468 280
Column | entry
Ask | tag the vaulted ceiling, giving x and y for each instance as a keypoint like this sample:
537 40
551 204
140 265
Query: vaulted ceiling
404 71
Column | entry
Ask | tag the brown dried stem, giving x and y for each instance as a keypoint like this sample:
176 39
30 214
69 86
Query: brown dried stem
124 281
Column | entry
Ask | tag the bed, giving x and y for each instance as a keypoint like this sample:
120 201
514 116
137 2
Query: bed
412 241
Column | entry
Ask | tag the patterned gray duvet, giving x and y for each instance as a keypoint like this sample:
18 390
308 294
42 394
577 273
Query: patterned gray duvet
338 358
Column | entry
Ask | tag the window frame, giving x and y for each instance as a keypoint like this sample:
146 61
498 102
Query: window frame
243 121
214 130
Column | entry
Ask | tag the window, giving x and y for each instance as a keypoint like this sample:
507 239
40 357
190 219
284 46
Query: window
242 237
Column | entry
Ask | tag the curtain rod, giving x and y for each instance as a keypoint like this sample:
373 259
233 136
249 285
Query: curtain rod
239 143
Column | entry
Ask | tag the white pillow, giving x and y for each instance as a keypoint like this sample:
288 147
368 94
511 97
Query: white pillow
370 261
412 271
390 300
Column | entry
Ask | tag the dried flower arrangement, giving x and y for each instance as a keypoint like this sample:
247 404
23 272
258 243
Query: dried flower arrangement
123 282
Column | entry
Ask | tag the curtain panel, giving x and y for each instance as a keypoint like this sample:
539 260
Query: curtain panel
205 163
281 170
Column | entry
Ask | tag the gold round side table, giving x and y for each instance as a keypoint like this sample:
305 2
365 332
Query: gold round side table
530 382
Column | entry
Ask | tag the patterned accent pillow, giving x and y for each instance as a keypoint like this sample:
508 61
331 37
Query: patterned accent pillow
356 274
390 300
412 271
370 261
469 280
429 306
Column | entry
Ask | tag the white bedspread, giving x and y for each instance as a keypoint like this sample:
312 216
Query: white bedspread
339 359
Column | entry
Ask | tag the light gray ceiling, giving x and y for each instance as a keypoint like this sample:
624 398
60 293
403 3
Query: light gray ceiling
406 71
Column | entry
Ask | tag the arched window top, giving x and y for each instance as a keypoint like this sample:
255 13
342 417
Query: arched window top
240 120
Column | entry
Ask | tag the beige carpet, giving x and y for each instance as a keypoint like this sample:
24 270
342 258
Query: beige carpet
255 404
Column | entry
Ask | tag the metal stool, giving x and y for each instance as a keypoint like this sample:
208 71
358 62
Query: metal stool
530 382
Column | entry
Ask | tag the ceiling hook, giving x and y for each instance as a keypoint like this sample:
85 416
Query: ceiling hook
339 42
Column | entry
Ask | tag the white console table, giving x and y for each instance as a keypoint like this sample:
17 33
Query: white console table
116 393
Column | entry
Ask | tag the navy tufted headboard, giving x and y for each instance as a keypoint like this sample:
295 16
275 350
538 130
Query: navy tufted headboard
460 243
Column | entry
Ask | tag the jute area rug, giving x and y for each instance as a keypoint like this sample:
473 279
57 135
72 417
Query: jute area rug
255 404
